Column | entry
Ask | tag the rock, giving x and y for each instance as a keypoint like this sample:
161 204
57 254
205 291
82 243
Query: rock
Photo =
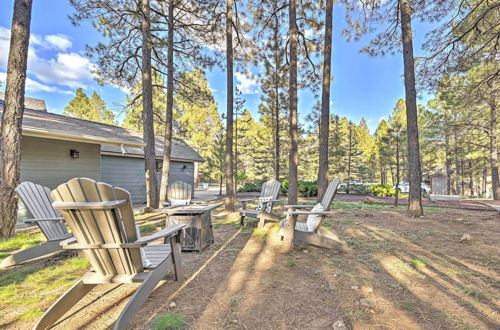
172 304
366 290
354 287
371 201
466 238
234 321
367 302
305 251
339 325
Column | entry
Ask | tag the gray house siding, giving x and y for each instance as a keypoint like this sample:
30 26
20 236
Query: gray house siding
47 162
128 173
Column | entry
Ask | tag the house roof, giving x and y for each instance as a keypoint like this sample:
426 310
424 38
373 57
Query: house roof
29 103
40 123
181 151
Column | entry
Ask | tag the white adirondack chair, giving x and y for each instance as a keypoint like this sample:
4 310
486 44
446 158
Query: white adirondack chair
265 203
37 200
179 193
102 220
310 232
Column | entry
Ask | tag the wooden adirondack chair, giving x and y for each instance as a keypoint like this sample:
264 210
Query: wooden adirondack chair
179 193
102 221
268 197
37 200
310 232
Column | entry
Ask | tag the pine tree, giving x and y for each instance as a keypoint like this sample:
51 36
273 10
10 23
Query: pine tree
94 108
12 116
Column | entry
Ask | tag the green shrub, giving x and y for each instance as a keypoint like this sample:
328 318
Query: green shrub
251 186
305 188
381 190
355 189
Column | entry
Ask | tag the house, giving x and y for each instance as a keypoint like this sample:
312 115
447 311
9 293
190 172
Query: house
56 148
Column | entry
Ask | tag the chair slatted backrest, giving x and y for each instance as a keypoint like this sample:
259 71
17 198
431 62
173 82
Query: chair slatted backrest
179 190
330 192
271 189
315 221
101 225
37 200
269 192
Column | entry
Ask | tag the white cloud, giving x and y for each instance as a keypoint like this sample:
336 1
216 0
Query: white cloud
59 41
35 86
246 84
67 69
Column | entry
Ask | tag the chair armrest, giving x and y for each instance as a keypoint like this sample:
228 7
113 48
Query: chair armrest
247 200
58 219
72 244
167 232
301 206
309 213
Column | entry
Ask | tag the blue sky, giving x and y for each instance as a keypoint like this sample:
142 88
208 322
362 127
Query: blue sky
363 86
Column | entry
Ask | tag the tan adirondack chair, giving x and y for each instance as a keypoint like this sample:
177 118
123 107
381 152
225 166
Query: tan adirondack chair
265 203
310 232
37 200
179 193
102 221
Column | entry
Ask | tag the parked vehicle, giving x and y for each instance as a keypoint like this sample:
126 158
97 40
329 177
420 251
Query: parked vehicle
404 187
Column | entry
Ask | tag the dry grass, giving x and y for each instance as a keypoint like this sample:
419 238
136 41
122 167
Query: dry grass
403 273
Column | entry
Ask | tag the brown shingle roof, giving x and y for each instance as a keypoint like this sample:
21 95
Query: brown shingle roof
50 125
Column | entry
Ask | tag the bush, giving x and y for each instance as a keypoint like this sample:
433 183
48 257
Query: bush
355 189
383 190
251 186
305 188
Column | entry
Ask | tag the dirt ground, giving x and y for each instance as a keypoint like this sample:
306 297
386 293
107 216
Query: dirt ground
402 273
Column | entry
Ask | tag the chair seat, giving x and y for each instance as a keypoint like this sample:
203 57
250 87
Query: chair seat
300 226
156 254
249 213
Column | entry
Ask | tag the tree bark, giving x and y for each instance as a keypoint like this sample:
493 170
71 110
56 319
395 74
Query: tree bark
277 104
293 120
414 167
325 103
495 180
349 160
396 199
12 116
147 110
229 117
448 158
167 145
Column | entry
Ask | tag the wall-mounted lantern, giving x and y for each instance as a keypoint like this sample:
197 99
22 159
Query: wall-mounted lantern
74 153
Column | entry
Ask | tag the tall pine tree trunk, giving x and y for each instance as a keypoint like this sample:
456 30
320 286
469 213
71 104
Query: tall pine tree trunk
396 192
293 121
447 159
276 104
414 169
495 181
12 117
167 145
325 103
229 124
293 116
147 111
